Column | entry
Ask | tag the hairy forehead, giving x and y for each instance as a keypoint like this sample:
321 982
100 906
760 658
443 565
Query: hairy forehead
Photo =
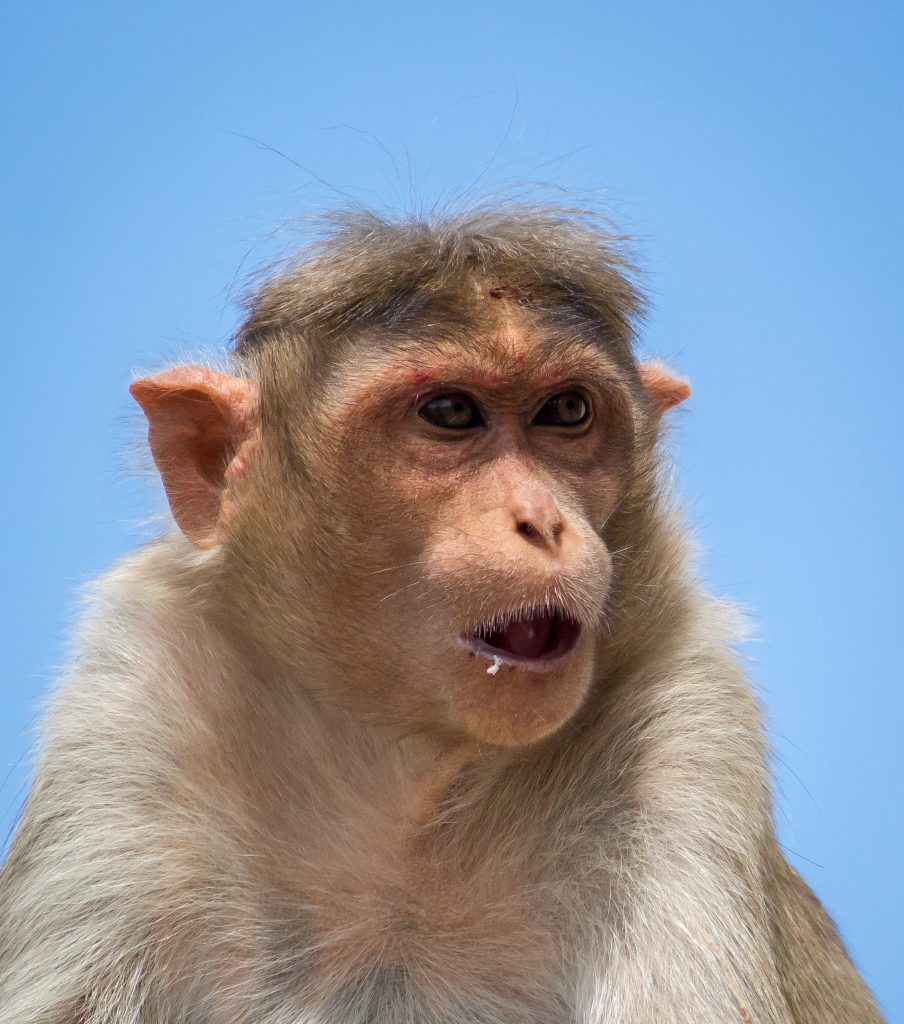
484 322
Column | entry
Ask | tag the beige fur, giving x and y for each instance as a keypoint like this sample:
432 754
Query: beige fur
263 796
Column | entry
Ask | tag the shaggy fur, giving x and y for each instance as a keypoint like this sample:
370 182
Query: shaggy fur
257 800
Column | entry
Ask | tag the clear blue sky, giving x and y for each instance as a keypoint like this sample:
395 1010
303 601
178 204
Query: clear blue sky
756 150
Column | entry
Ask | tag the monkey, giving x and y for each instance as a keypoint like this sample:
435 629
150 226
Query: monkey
419 714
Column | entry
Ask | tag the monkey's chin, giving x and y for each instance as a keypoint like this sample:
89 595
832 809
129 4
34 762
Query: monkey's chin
523 687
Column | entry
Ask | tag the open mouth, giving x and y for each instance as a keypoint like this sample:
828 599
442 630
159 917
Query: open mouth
532 638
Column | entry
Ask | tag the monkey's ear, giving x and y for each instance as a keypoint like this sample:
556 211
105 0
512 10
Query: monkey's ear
663 387
196 421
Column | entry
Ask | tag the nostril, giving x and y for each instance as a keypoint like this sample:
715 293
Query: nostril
550 534
527 529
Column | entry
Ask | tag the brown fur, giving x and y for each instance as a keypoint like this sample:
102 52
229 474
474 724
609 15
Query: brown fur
274 789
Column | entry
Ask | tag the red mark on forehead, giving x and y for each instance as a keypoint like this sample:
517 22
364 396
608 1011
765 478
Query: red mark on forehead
519 355
422 377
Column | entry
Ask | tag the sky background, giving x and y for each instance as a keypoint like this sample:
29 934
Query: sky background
150 152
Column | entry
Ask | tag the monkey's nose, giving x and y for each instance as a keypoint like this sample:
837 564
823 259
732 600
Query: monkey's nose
539 521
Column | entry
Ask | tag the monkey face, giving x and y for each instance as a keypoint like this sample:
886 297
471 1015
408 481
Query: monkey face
463 495
413 518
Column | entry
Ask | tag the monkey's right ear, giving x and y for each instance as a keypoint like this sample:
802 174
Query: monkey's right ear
197 420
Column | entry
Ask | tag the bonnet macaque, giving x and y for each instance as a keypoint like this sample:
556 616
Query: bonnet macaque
419 716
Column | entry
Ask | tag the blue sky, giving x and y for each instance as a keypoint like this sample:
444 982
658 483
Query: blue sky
756 152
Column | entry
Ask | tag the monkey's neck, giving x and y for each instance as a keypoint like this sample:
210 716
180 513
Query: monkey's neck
402 776
363 781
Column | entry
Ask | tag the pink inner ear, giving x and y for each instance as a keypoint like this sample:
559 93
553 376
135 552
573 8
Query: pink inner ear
664 389
196 420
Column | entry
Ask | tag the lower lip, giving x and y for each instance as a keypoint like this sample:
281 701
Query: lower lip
547 663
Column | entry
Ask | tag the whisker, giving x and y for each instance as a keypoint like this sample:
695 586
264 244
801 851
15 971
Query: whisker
401 565
396 593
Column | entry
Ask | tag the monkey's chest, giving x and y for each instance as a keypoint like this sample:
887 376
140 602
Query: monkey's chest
432 947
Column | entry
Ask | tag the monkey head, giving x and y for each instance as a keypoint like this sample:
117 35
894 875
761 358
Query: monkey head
413 517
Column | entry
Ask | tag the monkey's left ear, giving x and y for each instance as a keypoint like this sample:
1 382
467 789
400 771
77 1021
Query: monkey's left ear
196 421
663 387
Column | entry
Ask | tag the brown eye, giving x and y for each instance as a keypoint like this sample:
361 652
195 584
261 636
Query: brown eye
455 411
567 409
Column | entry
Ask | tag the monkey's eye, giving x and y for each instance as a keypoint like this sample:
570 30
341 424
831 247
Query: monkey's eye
454 411
566 409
